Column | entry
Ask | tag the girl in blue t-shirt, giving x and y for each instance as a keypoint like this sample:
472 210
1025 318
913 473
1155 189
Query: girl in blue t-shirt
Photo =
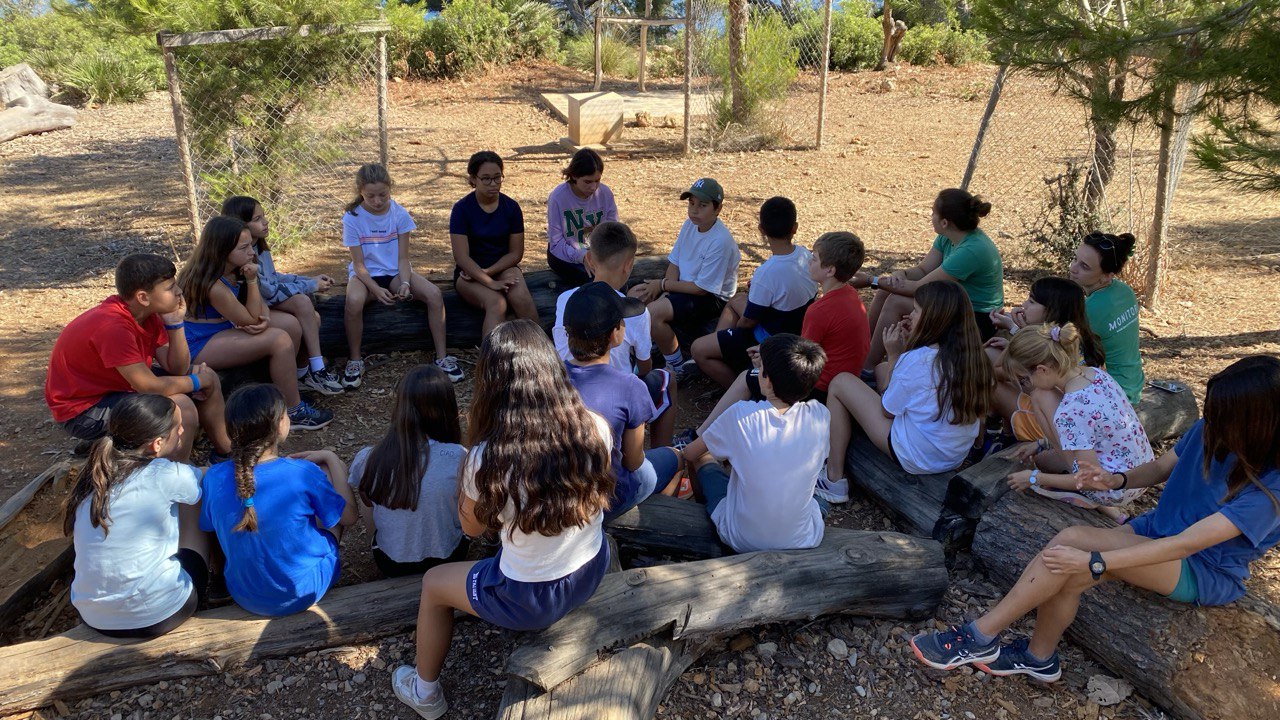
276 517
1220 511
486 229
539 476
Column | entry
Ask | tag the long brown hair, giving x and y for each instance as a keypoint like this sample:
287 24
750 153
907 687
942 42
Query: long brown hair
135 421
1063 302
425 409
966 380
253 424
543 453
208 261
1242 423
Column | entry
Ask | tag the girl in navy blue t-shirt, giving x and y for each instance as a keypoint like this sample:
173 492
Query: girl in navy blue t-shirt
1220 511
486 229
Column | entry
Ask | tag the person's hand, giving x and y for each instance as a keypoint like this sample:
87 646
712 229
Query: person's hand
860 280
1002 320
405 290
1020 480
323 282
997 343
895 338
1091 476
753 354
1065 560
383 295
1019 317
259 327
249 271
647 291
1023 453
498 285
178 315
207 377
319 457
896 281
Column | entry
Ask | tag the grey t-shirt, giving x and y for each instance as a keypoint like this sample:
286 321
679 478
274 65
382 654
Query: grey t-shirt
431 531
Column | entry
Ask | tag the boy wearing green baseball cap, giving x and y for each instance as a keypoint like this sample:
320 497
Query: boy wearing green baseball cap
701 277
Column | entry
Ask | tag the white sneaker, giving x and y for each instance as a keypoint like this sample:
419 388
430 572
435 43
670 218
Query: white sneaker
402 681
833 491
449 364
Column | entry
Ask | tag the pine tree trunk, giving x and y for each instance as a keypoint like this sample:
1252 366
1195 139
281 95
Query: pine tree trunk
1108 89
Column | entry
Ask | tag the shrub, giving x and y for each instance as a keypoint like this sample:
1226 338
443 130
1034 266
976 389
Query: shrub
922 45
534 29
856 41
465 37
617 58
769 67
964 47
106 77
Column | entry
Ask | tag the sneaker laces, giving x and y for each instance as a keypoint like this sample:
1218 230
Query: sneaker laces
448 362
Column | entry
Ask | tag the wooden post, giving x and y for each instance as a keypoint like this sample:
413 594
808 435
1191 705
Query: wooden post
599 40
184 144
382 99
688 77
996 88
826 63
644 41
1174 131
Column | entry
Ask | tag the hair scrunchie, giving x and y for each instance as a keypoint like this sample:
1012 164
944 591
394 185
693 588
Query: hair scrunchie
1055 332
247 502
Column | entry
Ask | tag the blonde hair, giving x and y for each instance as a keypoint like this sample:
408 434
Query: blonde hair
1054 346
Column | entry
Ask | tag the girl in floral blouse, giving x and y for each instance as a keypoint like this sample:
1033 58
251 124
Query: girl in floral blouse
1096 425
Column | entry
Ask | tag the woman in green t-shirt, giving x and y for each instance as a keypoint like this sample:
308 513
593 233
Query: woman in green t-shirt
1111 305
961 253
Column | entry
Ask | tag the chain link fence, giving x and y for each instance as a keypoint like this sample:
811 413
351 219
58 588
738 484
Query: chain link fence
1036 152
285 115
775 97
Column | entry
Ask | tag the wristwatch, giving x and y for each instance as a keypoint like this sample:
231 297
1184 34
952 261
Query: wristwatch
1097 565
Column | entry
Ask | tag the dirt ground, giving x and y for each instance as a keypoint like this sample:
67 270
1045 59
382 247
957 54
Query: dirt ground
76 201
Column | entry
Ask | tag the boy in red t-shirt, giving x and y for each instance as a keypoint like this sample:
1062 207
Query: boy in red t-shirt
107 352
837 321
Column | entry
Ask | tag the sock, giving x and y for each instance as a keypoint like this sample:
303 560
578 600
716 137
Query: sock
302 371
674 359
317 363
981 637
424 689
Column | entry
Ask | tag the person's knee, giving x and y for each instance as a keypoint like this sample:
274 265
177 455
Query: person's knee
279 340
841 383
186 410
705 348
1073 536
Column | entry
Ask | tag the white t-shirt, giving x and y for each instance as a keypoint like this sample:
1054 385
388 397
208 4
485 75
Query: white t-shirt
635 337
923 443
128 577
378 237
782 282
707 259
775 458
537 557
431 531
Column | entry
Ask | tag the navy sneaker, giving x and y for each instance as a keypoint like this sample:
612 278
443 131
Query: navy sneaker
949 649
306 417
1016 659
684 438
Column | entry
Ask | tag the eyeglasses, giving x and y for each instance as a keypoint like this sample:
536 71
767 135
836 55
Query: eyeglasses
490 179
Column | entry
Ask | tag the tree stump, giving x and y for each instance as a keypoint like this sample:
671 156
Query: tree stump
893 33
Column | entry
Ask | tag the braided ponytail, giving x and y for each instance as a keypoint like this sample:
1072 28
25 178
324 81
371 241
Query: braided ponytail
253 422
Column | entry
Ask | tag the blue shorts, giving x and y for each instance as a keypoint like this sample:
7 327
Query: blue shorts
659 466
525 606
1188 588
712 486
199 333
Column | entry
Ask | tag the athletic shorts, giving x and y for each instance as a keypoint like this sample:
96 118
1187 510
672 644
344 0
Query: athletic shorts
1188 588
390 568
525 606
753 387
570 274
199 333
694 311
733 347
383 281
986 328
92 423
194 567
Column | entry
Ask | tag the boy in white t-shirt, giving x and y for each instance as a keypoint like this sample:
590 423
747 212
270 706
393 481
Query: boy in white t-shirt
701 278
780 292
610 256
774 448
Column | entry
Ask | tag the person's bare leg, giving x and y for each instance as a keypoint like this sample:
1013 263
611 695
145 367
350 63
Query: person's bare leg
661 315
733 310
190 535
234 348
518 296
190 424
353 316
893 309
492 302
426 291
851 400
737 392
301 307
287 322
444 589
212 413
706 353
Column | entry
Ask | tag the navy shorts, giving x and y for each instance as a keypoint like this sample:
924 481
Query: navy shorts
753 387
694 311
383 281
570 274
658 382
524 606
733 347
92 423
712 485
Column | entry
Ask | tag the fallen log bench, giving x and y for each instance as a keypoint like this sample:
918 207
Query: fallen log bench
1196 663
669 608
403 326
948 506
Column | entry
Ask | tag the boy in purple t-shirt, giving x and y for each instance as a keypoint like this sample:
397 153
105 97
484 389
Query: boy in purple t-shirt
593 321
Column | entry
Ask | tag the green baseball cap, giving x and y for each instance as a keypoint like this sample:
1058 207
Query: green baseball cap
705 189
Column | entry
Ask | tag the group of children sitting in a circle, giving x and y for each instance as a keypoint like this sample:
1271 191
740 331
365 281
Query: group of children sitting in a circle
555 442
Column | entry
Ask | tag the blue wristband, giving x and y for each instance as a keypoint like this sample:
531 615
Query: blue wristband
179 326
195 382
